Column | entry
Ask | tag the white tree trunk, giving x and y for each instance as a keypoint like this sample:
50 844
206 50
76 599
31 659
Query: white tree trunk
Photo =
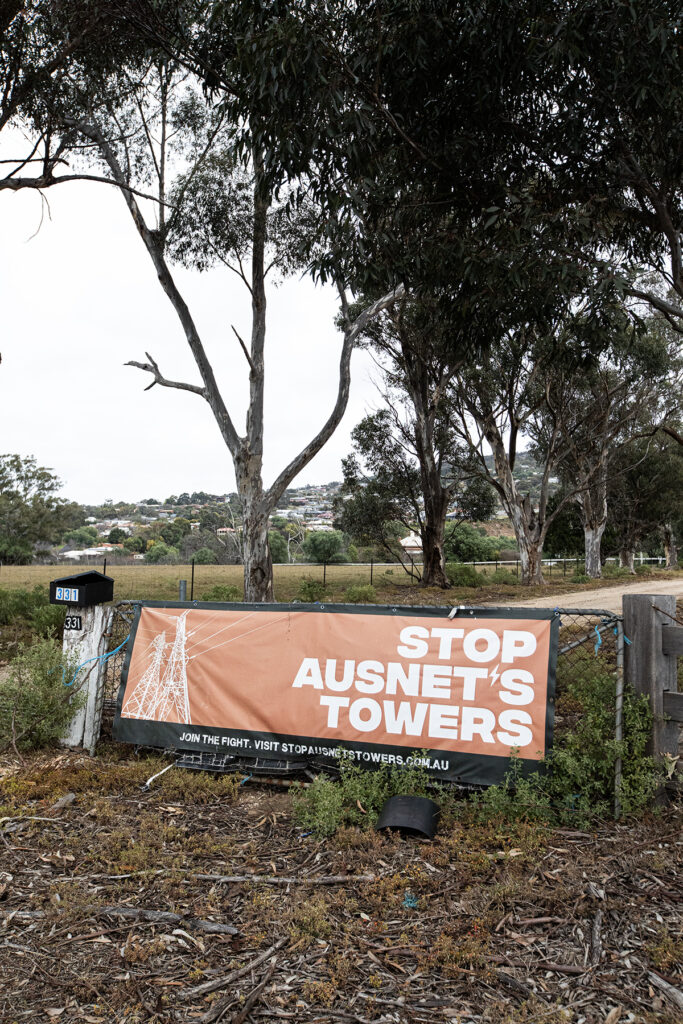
530 546
593 539
670 546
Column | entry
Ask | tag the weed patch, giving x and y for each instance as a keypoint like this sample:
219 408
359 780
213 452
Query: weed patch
357 797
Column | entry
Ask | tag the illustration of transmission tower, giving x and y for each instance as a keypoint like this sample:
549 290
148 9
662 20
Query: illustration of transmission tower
172 703
145 696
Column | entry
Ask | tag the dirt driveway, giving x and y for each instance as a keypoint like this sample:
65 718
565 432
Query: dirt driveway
606 598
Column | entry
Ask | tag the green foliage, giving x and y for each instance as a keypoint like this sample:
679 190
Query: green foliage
516 798
161 553
357 797
324 547
35 705
278 546
580 577
311 590
463 575
173 533
466 543
223 592
117 535
205 556
361 593
136 544
29 510
504 576
576 782
22 605
83 537
48 620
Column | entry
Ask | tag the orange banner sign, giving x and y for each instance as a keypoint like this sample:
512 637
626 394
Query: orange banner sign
473 685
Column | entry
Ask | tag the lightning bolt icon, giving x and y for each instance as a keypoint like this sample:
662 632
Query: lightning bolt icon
495 674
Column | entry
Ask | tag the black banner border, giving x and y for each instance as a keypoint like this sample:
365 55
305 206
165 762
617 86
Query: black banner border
493 767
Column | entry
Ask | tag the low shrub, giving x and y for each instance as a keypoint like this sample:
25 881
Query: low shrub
460 575
580 577
48 620
503 576
576 782
357 796
361 593
35 705
21 604
223 592
311 590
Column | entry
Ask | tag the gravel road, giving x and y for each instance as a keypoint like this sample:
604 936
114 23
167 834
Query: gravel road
607 598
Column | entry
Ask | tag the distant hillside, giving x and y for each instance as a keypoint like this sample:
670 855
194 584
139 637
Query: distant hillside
528 475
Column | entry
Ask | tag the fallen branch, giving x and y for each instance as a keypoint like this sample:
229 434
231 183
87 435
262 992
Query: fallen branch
673 994
288 880
165 917
221 1005
228 979
596 942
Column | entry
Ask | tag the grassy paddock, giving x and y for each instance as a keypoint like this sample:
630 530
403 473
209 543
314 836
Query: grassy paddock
160 582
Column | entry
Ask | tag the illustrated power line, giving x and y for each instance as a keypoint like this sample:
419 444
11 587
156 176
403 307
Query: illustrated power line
173 703
161 694
164 698
144 696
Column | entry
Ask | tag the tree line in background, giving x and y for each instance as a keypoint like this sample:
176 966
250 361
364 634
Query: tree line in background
494 190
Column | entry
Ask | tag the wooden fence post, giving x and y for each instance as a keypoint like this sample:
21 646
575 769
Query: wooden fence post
88 645
650 667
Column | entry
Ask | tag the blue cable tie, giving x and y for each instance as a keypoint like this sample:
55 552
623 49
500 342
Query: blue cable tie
98 657
599 643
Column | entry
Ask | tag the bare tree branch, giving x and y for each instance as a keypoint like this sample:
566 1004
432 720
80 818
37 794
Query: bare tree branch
351 332
211 390
153 367
244 349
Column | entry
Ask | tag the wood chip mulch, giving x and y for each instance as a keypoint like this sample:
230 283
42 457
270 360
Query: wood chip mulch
203 901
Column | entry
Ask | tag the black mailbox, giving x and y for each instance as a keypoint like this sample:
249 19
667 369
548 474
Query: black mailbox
84 590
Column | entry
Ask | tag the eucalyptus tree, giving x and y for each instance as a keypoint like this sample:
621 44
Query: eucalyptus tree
158 133
387 485
614 143
30 509
602 405
422 118
42 44
645 497
409 449
500 396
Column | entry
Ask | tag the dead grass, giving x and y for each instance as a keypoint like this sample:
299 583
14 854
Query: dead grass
493 924
160 582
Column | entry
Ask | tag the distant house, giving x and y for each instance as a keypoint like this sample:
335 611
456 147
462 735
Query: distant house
412 545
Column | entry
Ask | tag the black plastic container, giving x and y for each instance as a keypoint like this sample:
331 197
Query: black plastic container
410 815
84 590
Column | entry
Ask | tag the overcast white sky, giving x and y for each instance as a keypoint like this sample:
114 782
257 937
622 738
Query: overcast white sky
81 298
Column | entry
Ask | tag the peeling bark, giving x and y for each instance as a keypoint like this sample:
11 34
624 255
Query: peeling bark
670 546
593 539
